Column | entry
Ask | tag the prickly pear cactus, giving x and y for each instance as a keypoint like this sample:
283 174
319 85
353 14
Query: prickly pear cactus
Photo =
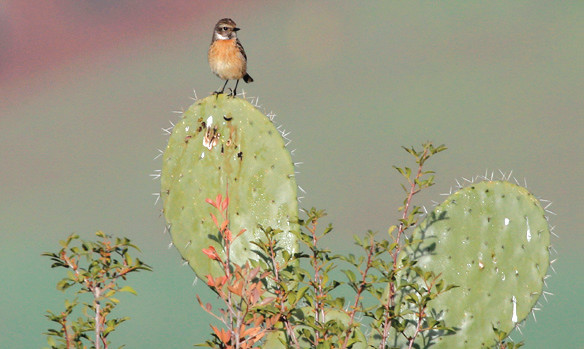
224 145
492 240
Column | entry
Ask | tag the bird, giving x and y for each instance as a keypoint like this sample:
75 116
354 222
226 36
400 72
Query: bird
226 56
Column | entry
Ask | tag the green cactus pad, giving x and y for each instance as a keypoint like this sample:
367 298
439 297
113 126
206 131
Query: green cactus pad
492 240
225 144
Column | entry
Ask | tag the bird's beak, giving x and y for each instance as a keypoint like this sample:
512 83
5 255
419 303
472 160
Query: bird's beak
236 29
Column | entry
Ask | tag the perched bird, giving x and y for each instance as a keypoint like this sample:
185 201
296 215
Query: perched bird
226 56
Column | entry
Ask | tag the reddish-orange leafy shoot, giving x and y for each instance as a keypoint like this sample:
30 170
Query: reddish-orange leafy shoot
211 253
221 334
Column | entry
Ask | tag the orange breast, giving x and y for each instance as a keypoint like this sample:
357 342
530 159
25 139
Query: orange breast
226 61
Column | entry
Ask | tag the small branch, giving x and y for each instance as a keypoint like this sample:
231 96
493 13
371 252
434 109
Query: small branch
97 307
317 281
414 189
279 292
66 332
362 286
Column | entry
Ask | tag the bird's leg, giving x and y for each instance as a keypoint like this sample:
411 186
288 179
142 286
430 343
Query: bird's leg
235 88
223 89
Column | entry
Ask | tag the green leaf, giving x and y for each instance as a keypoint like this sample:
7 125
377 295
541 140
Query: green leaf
350 275
51 341
128 289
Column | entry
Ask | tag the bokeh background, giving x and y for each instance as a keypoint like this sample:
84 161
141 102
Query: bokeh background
87 86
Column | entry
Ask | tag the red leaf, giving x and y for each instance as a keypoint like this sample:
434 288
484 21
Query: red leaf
211 253
209 201
224 225
214 220
221 334
210 281
241 232
228 237
225 203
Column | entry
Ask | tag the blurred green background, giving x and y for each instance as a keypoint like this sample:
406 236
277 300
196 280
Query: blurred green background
85 88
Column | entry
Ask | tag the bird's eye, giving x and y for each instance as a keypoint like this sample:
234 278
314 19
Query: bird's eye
225 28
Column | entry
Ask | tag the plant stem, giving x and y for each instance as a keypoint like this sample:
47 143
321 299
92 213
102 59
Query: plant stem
319 309
400 231
279 292
362 286
97 307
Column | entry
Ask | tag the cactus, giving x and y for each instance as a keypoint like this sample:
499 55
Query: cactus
221 145
492 240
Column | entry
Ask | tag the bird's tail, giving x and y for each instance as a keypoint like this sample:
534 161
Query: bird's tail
247 78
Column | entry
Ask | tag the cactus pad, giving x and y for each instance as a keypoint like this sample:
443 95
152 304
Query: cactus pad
224 145
492 240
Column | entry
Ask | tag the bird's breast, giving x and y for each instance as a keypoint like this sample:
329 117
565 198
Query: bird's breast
226 61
